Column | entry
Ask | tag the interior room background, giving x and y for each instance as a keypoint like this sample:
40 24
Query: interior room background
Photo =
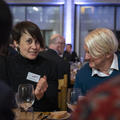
71 18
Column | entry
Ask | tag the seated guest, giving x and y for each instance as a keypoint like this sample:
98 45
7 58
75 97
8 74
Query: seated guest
69 55
29 67
56 48
103 63
102 103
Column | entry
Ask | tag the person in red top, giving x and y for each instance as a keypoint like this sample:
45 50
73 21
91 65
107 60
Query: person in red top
102 103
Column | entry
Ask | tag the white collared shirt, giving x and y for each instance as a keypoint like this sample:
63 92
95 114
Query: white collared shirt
114 65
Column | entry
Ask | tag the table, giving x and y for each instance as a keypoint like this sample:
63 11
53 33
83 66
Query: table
28 116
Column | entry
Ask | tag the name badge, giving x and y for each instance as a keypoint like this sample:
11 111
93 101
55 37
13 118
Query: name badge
33 77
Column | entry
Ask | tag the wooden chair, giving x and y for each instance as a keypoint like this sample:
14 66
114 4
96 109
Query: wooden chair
62 94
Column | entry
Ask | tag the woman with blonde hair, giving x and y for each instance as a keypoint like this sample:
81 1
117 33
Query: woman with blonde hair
103 62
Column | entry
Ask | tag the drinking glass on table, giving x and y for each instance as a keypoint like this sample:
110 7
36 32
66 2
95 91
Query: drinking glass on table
25 97
72 97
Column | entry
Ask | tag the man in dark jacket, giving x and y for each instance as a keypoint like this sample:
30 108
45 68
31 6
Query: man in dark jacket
56 48
69 55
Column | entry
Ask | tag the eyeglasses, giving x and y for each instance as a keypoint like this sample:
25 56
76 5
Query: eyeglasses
62 43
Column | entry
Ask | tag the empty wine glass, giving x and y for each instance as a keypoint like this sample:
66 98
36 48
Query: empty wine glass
25 96
72 97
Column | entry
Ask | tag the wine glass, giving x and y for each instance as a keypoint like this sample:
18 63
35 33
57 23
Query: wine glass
72 97
25 97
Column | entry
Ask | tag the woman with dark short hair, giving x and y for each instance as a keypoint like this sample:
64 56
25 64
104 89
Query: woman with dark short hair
29 67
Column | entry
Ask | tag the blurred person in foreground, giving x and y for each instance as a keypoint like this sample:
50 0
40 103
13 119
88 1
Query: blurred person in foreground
102 103
28 67
5 29
103 63
6 94
55 49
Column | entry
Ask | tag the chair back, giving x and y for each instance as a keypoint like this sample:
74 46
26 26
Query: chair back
62 94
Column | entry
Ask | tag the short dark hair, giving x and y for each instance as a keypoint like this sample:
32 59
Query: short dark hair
33 30
5 26
69 45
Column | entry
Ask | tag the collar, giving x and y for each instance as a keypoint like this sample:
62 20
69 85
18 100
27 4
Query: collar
61 55
113 66
55 51
24 60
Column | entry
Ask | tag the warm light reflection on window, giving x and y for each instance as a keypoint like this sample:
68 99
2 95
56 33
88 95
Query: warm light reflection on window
87 7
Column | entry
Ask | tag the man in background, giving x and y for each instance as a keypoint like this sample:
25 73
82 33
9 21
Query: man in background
55 50
69 55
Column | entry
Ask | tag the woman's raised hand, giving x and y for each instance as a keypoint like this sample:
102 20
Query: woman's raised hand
41 87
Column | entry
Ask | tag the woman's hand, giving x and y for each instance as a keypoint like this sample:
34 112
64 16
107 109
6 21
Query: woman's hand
41 87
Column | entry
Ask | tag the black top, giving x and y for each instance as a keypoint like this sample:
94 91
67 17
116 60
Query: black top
18 68
63 67
70 57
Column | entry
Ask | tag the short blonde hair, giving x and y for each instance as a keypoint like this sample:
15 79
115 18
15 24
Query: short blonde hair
101 41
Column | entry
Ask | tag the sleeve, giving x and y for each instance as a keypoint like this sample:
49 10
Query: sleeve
77 80
52 91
